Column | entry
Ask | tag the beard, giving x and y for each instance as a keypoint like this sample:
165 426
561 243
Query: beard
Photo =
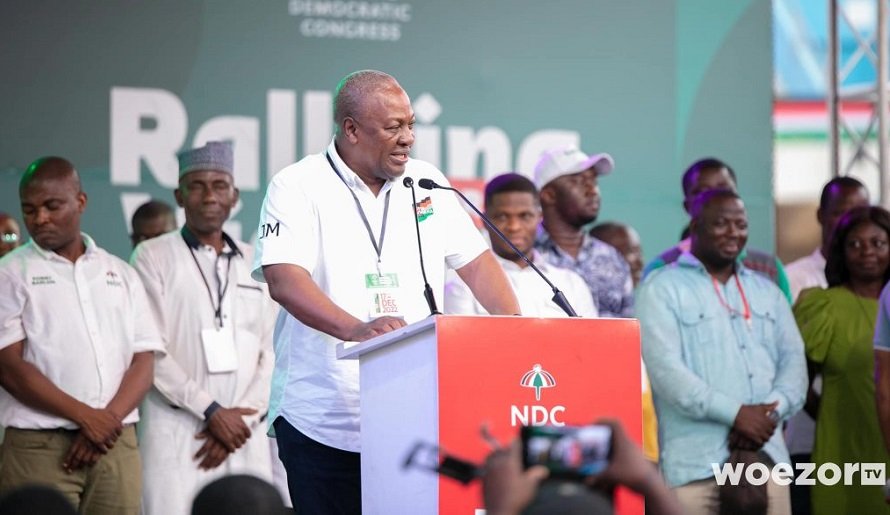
580 220
713 258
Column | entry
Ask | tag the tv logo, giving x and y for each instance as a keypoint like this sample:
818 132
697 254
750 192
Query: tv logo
828 474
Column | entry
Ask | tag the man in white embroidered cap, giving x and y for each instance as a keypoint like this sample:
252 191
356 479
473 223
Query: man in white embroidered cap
211 390
338 248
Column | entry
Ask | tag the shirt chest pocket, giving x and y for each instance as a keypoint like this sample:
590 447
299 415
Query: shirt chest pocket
699 333
698 325
764 321
248 308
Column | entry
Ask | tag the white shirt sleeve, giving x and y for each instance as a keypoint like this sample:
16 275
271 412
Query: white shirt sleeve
289 227
170 378
464 243
796 279
12 304
146 337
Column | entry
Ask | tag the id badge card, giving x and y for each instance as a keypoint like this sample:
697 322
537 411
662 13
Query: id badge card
383 294
219 350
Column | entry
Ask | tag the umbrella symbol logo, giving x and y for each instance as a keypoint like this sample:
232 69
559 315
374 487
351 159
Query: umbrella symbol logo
537 378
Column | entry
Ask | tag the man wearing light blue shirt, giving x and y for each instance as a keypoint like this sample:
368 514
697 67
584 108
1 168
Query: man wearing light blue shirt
724 357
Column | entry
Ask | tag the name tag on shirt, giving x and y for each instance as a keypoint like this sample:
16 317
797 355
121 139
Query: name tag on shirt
219 350
384 295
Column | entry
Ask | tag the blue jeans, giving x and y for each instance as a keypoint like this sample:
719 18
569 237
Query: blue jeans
322 480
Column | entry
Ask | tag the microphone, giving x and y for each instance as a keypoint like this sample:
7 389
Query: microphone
559 297
427 291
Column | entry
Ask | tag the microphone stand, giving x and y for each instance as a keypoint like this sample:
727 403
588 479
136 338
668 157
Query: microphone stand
427 291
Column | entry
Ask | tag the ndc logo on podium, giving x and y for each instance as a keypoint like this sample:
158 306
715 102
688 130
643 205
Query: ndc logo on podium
536 415
537 378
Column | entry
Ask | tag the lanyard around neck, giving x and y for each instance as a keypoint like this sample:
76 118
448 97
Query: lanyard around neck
746 314
221 288
378 245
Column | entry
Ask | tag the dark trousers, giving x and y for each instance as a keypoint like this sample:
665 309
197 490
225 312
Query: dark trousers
322 480
800 494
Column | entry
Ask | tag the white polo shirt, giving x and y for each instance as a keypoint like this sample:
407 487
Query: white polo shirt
310 219
533 293
806 272
81 323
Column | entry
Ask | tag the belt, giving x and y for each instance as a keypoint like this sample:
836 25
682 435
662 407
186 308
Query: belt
62 430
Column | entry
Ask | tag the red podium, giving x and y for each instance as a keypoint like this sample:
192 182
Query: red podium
438 380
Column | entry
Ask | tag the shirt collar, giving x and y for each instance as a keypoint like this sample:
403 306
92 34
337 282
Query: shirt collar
88 243
817 256
192 241
544 240
687 259
685 245
534 256
351 178
543 237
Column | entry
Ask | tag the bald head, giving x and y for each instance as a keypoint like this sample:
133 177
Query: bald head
51 169
719 230
52 203
354 89
151 220
703 200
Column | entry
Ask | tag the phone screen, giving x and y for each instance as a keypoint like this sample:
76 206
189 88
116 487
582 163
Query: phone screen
568 451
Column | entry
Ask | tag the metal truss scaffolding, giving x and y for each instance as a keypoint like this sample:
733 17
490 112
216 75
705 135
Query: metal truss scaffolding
872 46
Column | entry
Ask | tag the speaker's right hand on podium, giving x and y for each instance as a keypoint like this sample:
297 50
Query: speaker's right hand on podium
376 327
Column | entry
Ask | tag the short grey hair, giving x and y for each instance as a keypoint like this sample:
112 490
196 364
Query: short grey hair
353 89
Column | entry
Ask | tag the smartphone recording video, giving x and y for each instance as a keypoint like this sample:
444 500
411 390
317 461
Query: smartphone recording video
569 451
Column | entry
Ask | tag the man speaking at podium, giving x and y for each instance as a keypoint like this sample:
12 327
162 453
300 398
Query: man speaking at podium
338 247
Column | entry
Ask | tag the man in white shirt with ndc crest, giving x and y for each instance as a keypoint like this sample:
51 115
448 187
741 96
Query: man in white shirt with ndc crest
76 353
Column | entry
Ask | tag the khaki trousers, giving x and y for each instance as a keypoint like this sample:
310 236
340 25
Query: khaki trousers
702 498
112 486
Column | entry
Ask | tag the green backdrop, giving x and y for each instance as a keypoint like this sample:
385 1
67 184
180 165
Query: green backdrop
119 86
